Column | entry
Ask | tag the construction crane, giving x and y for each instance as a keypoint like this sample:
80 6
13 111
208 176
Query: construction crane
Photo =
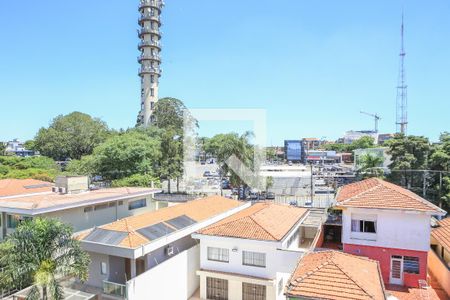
375 117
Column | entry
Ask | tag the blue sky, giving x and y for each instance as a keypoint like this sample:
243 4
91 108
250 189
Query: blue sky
313 65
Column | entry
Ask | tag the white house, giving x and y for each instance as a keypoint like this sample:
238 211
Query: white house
152 255
251 254
71 201
389 224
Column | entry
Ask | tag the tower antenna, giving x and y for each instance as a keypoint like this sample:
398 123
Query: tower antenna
149 58
402 89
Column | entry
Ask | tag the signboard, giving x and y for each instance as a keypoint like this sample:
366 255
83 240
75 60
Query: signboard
293 150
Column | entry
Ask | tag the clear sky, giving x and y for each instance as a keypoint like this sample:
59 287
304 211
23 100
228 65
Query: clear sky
312 64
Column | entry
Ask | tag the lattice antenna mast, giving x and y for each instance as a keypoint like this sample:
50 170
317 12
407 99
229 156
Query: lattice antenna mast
402 89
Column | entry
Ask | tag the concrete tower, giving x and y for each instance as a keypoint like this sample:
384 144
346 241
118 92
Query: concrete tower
150 48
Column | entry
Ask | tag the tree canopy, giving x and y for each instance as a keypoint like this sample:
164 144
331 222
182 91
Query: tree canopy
71 136
361 143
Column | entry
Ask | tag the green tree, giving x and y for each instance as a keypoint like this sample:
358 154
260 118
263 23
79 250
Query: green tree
2 148
30 145
370 165
71 136
37 167
122 156
223 146
407 153
40 253
138 180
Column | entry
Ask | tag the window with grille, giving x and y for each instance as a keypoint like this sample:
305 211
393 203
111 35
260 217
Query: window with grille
216 289
255 259
137 204
253 291
411 265
218 254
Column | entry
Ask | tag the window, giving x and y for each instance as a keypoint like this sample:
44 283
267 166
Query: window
120 203
255 259
411 265
101 206
152 92
137 204
88 209
253 291
280 286
152 78
103 270
364 226
216 289
218 254
14 220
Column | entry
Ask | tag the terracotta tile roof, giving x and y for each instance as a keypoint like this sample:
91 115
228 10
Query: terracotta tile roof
404 293
336 275
262 221
198 210
377 193
14 187
55 201
442 233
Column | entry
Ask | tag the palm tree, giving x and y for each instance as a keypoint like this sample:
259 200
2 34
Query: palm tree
370 164
41 253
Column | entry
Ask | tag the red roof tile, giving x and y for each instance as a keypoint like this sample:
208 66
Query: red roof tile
336 275
442 233
377 193
262 221
15 187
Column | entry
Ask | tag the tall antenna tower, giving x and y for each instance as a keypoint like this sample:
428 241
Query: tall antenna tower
149 58
402 90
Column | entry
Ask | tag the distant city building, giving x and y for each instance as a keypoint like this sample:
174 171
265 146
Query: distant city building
16 147
293 150
351 136
383 137
322 157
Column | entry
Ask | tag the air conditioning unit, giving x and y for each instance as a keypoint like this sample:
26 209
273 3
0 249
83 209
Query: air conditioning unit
169 250
54 189
62 190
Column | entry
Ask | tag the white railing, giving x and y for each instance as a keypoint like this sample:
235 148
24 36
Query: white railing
154 3
149 43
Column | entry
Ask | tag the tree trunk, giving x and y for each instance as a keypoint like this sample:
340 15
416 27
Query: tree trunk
168 186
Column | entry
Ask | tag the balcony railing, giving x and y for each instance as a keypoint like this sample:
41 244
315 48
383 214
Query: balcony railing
149 44
148 17
159 4
148 57
114 289
149 70
148 30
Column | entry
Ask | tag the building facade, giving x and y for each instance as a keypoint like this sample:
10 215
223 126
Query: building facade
149 58
389 224
251 254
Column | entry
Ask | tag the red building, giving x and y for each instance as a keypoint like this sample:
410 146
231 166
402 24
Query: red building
390 224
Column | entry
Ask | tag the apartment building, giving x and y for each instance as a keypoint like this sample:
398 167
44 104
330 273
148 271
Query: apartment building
71 201
335 275
152 253
390 224
251 254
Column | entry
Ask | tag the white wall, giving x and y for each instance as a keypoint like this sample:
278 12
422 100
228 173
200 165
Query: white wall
95 276
174 279
81 220
395 229
276 260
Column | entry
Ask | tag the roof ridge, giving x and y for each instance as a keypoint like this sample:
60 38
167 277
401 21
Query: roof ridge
362 193
415 196
354 280
220 224
262 227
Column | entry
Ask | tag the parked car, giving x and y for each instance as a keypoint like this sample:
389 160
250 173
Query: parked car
207 174
270 196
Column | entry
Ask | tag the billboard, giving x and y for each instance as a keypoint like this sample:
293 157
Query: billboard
293 150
